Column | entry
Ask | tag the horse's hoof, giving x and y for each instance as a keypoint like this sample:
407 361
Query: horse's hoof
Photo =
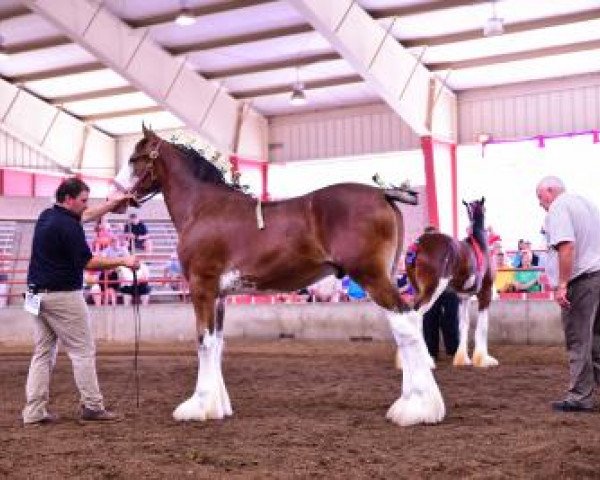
418 408
461 359
201 408
482 360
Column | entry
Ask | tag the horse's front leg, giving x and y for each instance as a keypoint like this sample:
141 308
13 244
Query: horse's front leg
461 357
210 399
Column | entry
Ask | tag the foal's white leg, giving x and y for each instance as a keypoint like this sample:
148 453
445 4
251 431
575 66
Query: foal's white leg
481 357
210 399
461 357
421 400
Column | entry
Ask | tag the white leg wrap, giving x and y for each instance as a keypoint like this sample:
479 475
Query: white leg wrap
461 357
421 400
210 399
481 357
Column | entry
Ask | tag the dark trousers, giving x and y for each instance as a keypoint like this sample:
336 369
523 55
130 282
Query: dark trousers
581 323
442 315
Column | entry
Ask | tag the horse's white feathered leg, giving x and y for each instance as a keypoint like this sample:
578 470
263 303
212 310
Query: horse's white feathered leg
210 399
421 400
461 357
481 357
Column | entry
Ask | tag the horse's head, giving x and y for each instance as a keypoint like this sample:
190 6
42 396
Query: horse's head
475 210
138 176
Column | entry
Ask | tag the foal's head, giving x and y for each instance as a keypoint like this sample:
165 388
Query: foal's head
475 210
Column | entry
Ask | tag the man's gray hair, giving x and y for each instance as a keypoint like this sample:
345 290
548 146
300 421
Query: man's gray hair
552 182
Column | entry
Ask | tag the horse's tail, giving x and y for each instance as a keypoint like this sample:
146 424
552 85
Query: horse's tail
399 230
402 195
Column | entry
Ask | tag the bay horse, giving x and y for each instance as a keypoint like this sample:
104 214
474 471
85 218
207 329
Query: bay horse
441 262
341 229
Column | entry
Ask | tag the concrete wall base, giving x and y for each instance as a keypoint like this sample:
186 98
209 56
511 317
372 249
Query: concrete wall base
512 322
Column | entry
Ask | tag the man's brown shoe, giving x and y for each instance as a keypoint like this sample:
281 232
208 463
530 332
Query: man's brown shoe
89 415
48 419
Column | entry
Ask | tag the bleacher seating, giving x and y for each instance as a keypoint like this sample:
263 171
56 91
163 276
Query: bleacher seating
8 241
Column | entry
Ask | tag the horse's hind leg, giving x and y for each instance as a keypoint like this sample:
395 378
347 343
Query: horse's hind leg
461 357
481 357
421 400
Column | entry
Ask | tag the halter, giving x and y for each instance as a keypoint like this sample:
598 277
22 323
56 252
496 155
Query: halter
148 172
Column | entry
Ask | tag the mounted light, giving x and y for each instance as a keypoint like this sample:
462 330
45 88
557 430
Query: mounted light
3 52
185 17
494 25
298 96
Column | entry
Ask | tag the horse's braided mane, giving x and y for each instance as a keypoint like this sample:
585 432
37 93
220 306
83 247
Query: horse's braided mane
201 168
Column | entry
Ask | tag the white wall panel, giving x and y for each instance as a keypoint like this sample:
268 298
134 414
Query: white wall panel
341 132
527 109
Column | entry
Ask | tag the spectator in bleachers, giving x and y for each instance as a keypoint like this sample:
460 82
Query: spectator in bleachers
142 288
137 235
521 246
505 275
527 278
91 287
328 289
173 273
3 280
102 235
109 279
353 290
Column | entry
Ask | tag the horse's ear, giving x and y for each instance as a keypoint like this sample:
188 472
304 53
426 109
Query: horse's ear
145 130
482 200
465 204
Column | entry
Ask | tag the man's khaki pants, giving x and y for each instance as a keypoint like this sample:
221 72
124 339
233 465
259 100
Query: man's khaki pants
63 316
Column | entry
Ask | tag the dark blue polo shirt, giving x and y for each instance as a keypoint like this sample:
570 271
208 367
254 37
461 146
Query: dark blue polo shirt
59 252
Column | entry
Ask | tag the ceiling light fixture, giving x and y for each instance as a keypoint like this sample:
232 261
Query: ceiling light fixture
494 25
298 96
185 17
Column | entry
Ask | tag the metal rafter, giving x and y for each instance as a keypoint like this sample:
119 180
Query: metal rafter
512 57
295 61
516 27
285 88
200 11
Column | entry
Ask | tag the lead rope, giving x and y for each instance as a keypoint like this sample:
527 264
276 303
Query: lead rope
137 320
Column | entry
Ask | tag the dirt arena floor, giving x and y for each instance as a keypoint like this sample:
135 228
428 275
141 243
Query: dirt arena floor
303 410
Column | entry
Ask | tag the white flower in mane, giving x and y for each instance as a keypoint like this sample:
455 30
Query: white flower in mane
206 151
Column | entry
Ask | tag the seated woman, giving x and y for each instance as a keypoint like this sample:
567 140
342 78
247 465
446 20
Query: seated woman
109 279
526 279
505 275
103 235
142 288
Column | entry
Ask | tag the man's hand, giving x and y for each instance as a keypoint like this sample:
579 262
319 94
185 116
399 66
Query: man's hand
120 201
560 295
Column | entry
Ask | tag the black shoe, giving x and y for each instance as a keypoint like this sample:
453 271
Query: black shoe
48 419
89 415
570 406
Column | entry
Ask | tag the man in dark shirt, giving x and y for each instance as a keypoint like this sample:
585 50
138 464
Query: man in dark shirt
59 255
137 234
